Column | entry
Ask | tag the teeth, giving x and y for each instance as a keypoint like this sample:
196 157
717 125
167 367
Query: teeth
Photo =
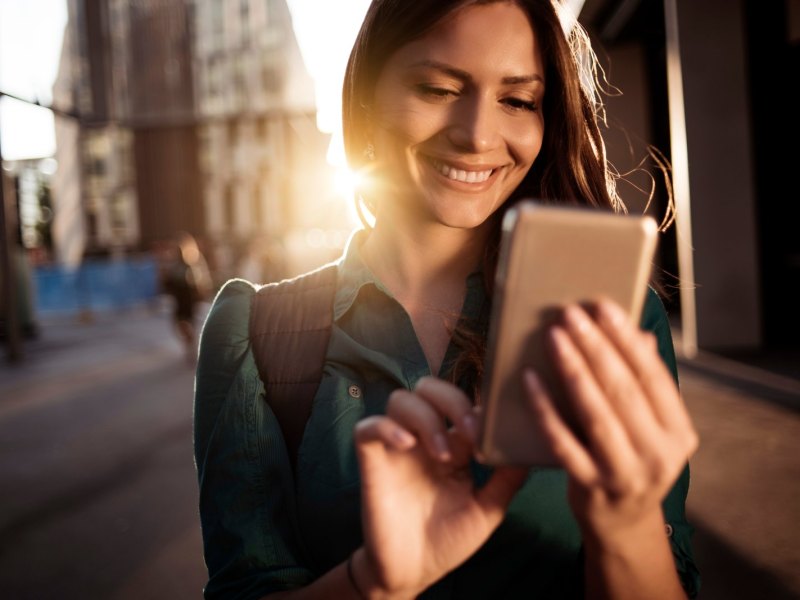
460 175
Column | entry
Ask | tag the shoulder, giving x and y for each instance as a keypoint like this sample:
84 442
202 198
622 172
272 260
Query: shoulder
654 313
305 301
226 326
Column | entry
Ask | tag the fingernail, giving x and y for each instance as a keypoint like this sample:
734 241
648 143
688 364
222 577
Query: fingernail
612 312
470 424
557 336
440 444
403 438
577 318
420 382
532 379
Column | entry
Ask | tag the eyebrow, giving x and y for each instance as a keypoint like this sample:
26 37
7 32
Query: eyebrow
459 74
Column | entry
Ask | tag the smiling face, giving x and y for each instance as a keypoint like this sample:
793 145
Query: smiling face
456 119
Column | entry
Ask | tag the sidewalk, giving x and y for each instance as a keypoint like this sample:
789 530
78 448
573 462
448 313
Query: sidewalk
745 489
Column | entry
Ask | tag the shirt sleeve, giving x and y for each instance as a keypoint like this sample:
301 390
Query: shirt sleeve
247 504
654 319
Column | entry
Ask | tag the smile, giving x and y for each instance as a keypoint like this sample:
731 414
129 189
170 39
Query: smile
456 174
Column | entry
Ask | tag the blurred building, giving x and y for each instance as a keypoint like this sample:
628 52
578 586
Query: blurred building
192 115
257 133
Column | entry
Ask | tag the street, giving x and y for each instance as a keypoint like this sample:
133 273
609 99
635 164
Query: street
99 492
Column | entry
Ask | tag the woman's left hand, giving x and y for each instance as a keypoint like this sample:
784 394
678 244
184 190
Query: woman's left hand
637 434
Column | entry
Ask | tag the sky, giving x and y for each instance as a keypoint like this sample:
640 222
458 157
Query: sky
30 43
31 32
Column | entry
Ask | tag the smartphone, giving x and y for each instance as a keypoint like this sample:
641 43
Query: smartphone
549 257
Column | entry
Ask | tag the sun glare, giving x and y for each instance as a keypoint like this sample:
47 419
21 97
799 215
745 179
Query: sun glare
346 182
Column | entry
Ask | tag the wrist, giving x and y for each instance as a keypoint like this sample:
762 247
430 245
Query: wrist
364 579
625 537
632 560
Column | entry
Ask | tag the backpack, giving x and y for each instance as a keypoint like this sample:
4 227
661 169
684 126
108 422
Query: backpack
290 326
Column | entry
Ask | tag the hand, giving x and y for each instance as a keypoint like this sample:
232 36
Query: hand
638 434
422 515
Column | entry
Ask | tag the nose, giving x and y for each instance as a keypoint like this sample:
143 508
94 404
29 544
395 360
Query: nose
474 125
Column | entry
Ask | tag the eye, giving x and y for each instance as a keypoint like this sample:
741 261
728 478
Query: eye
434 92
520 104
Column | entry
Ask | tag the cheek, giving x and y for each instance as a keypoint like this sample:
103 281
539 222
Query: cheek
410 123
526 142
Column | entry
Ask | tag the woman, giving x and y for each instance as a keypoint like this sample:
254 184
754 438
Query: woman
455 109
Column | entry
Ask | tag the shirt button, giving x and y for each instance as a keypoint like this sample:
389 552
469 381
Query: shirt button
354 391
668 529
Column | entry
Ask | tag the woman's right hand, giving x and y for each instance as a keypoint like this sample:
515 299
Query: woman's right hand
421 512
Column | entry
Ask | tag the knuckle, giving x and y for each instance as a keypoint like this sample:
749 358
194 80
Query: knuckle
658 468
620 486
621 388
639 487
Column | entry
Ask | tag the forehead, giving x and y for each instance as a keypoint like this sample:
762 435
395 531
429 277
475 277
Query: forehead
497 36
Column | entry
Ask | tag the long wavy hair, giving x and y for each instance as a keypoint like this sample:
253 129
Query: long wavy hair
571 167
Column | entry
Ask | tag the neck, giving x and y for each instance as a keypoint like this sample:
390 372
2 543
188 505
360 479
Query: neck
427 264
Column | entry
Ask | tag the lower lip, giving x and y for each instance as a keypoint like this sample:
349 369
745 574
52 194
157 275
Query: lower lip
463 186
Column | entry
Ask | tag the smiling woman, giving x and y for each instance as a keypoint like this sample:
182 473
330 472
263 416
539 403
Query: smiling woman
454 111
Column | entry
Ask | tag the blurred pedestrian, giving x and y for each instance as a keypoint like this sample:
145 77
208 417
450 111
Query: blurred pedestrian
187 279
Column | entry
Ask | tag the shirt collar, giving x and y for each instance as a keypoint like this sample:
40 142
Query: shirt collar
353 275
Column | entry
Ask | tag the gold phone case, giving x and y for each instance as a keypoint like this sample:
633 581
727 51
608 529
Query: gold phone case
551 256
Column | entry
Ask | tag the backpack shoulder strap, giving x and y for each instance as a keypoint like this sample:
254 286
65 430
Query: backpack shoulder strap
290 326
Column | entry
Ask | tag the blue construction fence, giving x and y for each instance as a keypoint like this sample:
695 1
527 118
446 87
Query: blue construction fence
96 285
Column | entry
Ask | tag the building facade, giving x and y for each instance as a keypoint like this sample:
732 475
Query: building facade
191 115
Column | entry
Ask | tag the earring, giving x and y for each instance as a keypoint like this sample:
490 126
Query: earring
369 152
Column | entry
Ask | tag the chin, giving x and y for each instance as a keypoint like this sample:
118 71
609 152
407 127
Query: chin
460 215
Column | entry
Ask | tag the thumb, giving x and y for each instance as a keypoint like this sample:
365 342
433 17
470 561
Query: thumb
496 495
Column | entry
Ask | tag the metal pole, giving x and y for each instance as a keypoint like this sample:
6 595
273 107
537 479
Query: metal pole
680 179
7 275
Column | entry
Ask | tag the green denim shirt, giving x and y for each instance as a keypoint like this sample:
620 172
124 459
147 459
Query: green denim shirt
265 530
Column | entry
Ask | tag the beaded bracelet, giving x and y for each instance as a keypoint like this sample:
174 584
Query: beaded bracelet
352 577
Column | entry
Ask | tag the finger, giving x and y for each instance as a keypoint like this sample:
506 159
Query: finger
640 350
383 430
615 376
661 451
563 443
452 403
418 416
607 438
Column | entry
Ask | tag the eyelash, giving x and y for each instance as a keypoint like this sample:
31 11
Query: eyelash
520 104
442 93
437 92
